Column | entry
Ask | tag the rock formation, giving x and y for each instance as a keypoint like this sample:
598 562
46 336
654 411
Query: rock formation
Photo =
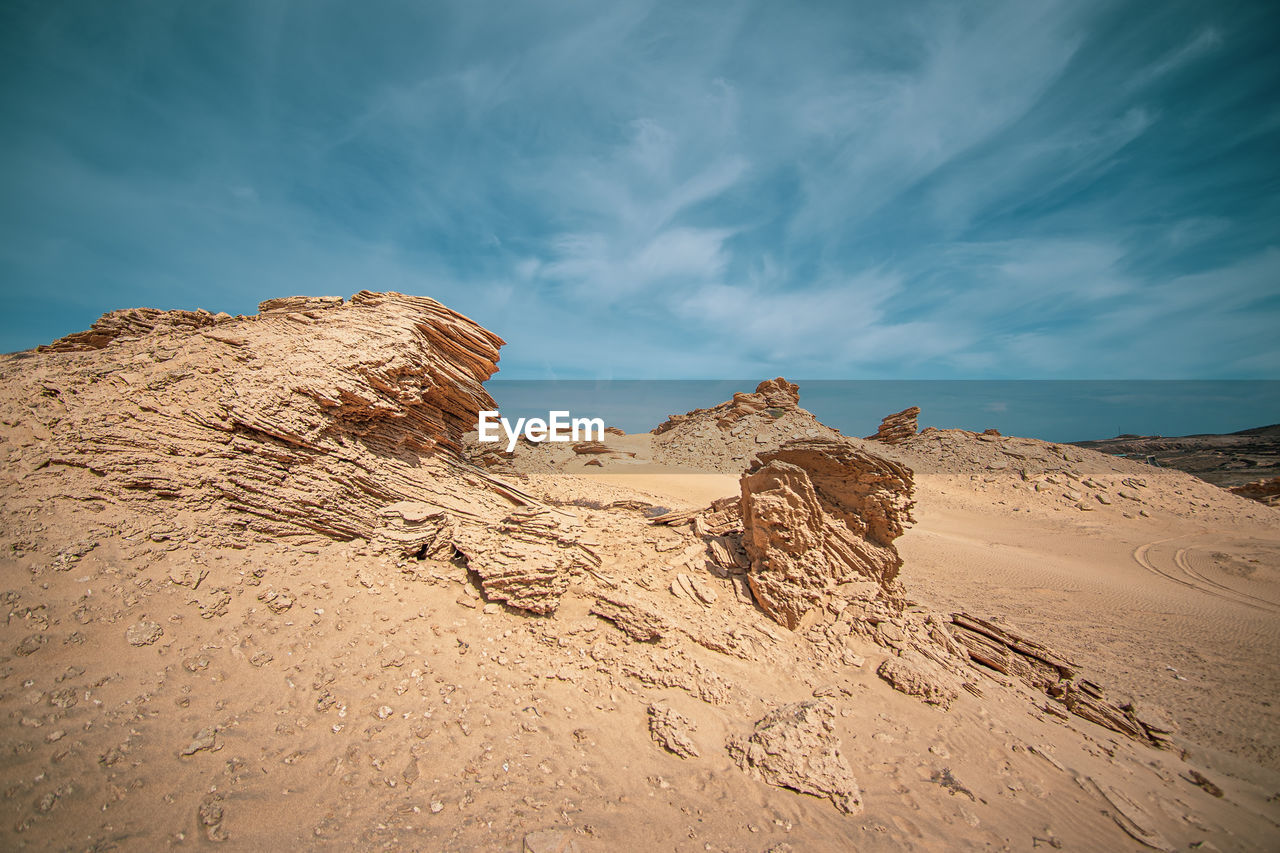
796 747
317 416
818 517
1263 491
728 436
312 415
775 396
898 427
1031 662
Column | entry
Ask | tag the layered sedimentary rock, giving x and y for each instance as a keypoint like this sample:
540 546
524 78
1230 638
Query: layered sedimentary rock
318 415
775 396
1262 491
819 515
530 564
1033 663
131 323
898 427
313 415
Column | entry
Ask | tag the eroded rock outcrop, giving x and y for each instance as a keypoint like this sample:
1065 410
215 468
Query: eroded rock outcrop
1263 491
774 396
317 416
131 323
796 747
898 427
1007 652
819 514
311 416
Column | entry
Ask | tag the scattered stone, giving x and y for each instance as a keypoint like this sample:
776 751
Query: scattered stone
30 644
693 588
143 633
277 602
1200 780
195 663
633 618
209 817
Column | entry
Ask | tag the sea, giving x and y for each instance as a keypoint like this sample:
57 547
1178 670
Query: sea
1052 410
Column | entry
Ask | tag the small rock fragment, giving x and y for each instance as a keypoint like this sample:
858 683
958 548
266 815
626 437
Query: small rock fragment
671 731
30 644
209 817
204 739
143 633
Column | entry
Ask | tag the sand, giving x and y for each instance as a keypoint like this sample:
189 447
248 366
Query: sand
171 680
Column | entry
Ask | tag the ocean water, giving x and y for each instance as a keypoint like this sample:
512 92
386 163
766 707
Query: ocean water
1053 410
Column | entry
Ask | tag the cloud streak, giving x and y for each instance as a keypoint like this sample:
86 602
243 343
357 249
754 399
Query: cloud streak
649 189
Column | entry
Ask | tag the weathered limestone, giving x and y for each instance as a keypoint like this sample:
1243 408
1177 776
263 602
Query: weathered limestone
898 427
816 514
796 747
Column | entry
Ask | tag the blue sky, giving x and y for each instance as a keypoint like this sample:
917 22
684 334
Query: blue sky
668 190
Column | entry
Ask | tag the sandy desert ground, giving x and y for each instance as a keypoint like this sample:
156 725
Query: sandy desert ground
261 588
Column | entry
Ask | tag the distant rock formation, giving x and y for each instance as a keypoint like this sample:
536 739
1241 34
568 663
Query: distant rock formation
776 396
1262 491
820 515
898 427
728 436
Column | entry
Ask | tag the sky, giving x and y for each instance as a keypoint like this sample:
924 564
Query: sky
846 190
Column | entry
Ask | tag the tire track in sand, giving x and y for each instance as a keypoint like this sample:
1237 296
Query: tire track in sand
1193 579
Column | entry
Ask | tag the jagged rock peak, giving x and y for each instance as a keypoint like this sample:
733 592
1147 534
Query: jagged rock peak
898 427
778 393
819 519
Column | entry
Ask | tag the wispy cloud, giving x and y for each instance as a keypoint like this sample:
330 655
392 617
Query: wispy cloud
644 188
